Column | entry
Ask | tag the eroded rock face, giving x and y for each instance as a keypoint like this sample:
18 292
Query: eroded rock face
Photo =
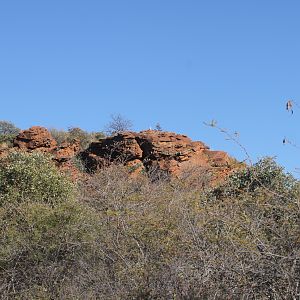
165 151
38 138
174 154
67 150
35 138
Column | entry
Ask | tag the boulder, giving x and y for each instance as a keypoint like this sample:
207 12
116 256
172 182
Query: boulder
67 150
149 150
35 138
39 138
153 149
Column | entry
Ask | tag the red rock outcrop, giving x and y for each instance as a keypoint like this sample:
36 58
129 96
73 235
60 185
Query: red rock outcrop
64 155
38 138
35 138
67 150
147 150
152 149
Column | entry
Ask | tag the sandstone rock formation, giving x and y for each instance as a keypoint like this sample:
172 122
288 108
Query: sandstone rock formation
35 138
67 150
151 149
38 138
167 152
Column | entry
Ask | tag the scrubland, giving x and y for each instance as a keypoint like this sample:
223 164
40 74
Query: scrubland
111 236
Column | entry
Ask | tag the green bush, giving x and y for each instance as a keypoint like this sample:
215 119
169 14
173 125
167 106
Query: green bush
32 176
83 136
265 175
7 128
42 246
44 231
59 135
7 139
240 241
8 132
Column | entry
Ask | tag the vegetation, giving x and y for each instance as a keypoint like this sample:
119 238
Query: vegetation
8 132
118 124
117 237
75 133
31 177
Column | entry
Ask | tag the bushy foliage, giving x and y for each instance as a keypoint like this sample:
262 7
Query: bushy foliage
77 133
138 238
32 176
167 244
83 136
44 231
41 247
7 139
7 127
59 135
265 175
8 132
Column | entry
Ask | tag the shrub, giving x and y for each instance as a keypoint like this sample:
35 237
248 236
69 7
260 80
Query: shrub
8 132
42 246
7 128
164 243
265 175
59 135
7 139
118 124
84 137
251 226
44 232
139 238
32 176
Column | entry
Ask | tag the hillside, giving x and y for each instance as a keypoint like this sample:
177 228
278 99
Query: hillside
147 215
166 152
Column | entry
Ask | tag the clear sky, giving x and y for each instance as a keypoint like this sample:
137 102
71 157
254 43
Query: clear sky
74 63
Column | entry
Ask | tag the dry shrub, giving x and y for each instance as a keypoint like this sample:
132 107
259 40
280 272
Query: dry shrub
165 241
44 231
139 238
77 133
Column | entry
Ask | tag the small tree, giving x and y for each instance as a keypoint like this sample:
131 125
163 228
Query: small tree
7 128
8 132
118 124
59 135
83 136
158 127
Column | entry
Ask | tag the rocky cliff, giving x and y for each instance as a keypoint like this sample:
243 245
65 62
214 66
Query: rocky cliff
151 149
38 138
142 152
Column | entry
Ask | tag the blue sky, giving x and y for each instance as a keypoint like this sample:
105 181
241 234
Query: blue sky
180 63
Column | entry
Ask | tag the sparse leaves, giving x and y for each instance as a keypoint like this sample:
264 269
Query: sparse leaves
72 133
289 106
118 124
8 128
158 127
212 123
139 238
8 132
